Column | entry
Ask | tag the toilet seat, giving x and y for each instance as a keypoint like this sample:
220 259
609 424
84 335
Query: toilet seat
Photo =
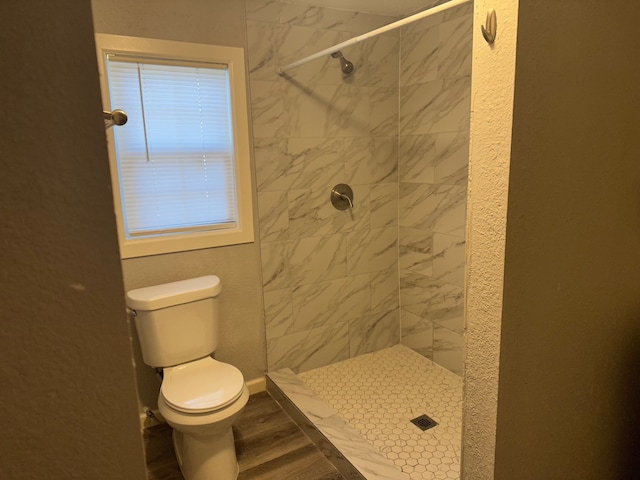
201 386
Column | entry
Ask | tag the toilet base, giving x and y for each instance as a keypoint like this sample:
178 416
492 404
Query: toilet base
204 443
206 458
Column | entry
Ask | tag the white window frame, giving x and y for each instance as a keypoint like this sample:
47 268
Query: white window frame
233 57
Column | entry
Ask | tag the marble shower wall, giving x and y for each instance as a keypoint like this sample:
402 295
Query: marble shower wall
330 277
435 81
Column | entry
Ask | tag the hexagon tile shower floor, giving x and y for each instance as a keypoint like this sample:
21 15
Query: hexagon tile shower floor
379 394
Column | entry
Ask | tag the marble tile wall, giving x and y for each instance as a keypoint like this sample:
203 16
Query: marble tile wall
330 277
397 132
435 72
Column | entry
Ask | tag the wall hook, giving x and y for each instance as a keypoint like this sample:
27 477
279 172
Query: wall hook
489 32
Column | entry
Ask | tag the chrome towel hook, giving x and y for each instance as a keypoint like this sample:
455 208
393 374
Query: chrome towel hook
117 117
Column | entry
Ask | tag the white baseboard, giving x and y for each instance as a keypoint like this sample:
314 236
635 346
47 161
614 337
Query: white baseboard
257 385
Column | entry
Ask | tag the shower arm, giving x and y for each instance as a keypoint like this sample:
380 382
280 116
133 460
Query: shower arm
392 26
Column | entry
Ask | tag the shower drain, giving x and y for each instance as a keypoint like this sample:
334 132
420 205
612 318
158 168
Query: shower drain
423 422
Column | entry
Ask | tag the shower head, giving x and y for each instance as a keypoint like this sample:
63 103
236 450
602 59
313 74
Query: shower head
345 65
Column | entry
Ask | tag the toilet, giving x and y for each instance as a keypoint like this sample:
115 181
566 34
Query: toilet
200 397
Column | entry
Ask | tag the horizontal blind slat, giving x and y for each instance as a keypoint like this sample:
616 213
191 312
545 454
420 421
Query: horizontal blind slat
175 156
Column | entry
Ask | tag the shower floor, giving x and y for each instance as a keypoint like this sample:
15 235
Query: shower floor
378 394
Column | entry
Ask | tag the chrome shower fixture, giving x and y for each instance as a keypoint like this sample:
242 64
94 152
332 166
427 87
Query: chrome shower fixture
345 65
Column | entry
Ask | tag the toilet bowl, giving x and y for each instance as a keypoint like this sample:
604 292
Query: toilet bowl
201 400
200 397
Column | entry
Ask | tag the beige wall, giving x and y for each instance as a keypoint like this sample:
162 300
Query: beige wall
68 393
569 397
561 336
242 342
490 146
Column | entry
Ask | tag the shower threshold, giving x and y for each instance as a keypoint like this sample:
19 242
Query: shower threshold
359 413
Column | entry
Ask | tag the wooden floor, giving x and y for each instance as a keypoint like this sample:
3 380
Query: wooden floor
270 446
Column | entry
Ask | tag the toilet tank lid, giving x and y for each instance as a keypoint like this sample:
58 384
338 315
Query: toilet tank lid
174 293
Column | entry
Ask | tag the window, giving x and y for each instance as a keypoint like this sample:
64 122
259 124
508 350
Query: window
180 165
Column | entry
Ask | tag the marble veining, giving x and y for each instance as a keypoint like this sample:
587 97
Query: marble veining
416 250
447 349
278 312
448 259
440 158
331 19
384 205
371 160
371 250
417 158
273 215
315 259
264 41
377 60
452 158
333 302
417 334
432 166
310 348
441 105
438 301
453 48
271 108
419 54
435 207
310 214
384 289
397 132
356 450
383 111
315 161
377 330
275 266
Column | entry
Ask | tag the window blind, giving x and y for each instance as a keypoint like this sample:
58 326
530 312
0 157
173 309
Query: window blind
175 154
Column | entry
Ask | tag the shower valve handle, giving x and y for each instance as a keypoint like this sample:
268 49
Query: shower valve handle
342 196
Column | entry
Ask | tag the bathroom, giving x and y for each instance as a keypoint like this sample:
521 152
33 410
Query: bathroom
324 282
239 266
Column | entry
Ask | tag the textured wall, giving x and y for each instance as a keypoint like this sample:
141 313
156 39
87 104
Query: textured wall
569 397
68 392
491 119
330 277
433 156
242 340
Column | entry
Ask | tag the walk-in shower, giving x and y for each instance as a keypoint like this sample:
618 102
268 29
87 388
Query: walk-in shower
344 288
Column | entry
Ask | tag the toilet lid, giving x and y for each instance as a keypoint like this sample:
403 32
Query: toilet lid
201 386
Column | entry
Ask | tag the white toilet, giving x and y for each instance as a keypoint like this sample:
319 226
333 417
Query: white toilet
200 397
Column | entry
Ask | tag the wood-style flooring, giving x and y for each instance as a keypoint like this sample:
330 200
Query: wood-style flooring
270 446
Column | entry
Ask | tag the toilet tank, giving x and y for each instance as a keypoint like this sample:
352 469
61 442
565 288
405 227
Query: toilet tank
176 322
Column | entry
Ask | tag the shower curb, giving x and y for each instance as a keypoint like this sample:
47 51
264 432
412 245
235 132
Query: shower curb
352 455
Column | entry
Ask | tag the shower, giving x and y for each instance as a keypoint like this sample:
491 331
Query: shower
372 295
345 65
